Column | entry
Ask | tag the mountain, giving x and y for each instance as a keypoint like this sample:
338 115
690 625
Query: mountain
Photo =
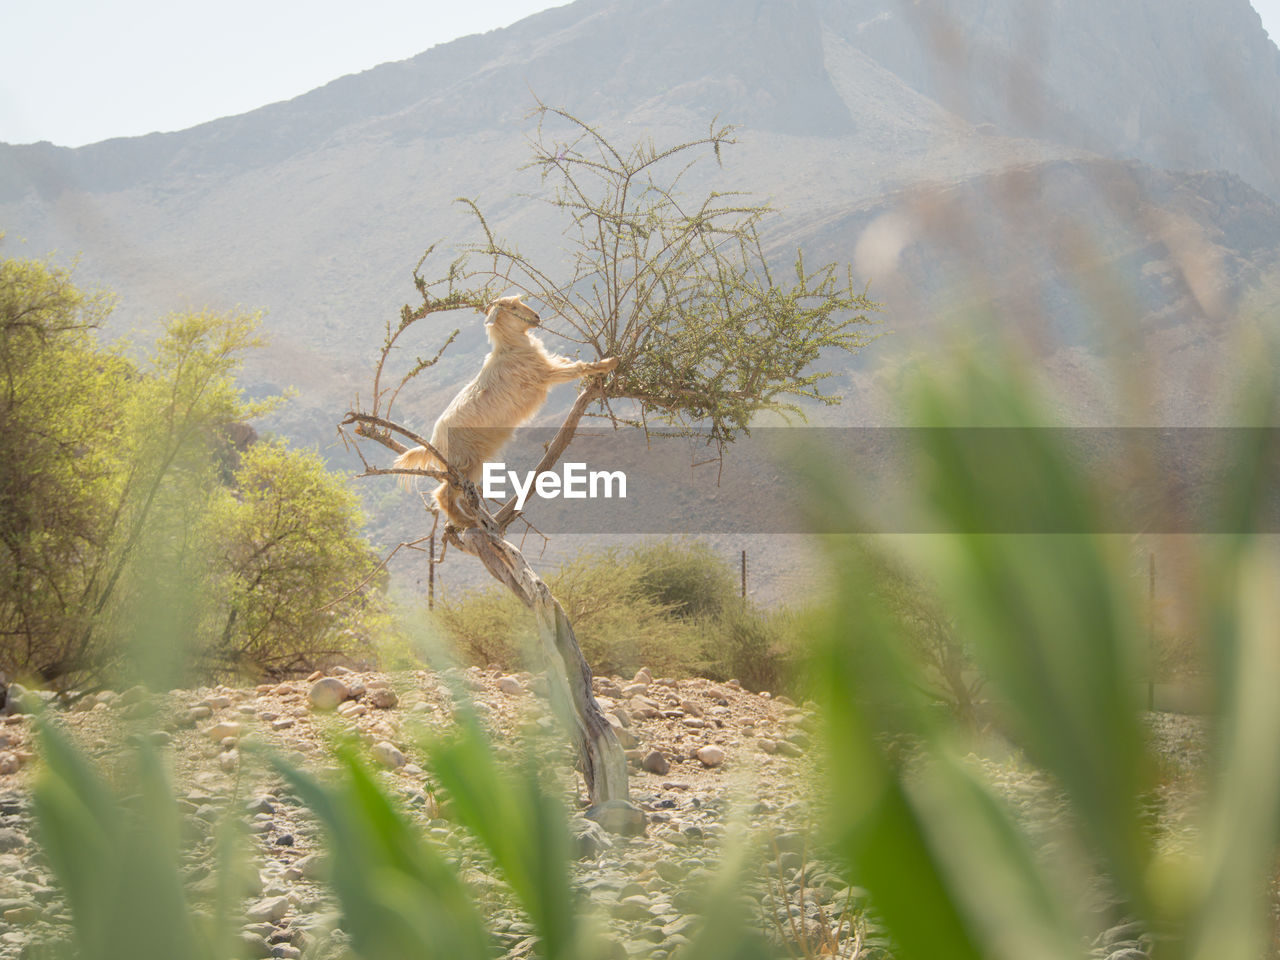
953 150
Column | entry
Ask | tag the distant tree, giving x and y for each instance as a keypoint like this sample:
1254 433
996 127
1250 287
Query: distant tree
108 468
681 290
55 495
282 545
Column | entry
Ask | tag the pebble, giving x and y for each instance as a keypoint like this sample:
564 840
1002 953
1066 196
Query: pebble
271 910
618 816
254 945
327 692
388 755
710 756
222 731
383 698
656 762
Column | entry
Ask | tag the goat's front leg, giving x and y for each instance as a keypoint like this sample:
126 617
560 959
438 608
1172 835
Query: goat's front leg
567 370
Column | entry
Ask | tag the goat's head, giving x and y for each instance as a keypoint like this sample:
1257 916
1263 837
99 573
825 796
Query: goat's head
512 314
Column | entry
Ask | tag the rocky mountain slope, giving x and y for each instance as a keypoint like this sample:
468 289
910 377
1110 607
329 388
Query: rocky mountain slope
957 152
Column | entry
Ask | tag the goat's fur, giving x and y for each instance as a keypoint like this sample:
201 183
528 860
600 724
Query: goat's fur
508 390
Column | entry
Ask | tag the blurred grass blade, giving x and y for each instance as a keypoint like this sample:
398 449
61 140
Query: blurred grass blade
523 827
1241 835
1048 615
875 827
117 861
399 897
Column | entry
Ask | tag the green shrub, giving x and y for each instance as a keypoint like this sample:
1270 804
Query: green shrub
759 648
285 554
672 606
685 576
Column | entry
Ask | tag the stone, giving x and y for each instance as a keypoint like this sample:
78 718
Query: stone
284 723
633 908
625 737
271 910
766 745
350 709
314 867
589 839
388 755
9 763
254 945
691 708
710 756
618 816
227 729
634 690
510 685
382 698
656 762
327 692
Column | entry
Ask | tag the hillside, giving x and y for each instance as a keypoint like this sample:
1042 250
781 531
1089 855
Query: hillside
977 162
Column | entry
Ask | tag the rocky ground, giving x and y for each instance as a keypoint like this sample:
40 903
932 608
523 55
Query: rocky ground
705 756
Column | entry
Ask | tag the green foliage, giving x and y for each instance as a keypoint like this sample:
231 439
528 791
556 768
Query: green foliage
677 286
672 605
686 576
619 626
399 897
110 500
283 545
761 648
1054 623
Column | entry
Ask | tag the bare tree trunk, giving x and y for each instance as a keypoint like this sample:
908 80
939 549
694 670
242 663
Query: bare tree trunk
600 756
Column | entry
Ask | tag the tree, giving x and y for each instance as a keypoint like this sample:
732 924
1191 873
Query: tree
55 494
281 547
683 293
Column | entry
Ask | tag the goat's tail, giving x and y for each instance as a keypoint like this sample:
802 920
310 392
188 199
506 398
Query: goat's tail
416 458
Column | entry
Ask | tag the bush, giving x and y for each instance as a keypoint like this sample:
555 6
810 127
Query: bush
671 606
685 576
285 556
115 531
759 648
619 626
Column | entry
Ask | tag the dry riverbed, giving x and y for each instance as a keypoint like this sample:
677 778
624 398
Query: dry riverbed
710 761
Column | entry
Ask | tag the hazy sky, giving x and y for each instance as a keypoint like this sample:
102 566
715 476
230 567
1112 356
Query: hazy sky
79 71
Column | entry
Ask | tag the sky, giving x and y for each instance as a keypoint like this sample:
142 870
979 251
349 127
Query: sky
80 71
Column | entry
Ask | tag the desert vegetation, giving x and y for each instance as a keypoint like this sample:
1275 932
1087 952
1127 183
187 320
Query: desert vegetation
136 513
